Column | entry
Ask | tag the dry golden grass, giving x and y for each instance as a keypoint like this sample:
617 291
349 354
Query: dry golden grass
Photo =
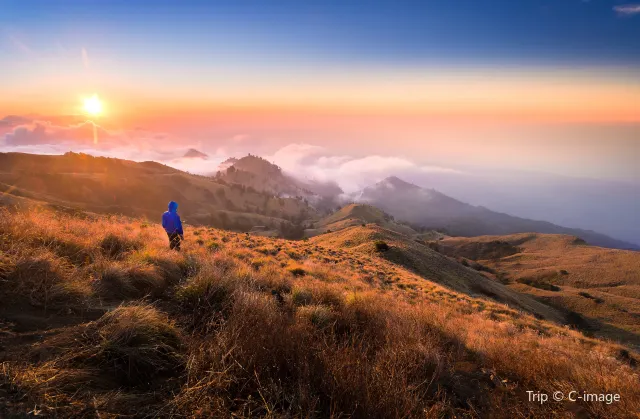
236 332
357 215
601 285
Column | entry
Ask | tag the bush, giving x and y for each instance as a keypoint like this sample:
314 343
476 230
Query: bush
319 315
258 263
213 245
116 247
301 296
44 279
381 246
208 296
135 343
538 283
297 271
117 281
597 300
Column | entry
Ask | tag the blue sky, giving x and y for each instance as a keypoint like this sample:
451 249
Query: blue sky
562 32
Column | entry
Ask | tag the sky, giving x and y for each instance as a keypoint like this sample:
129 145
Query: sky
535 85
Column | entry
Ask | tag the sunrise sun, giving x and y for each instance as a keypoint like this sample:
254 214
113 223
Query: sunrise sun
93 106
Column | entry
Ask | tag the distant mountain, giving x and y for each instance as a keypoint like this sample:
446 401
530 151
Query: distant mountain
226 164
262 175
431 209
192 153
259 174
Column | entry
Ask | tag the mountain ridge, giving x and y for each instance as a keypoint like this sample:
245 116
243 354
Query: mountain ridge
434 210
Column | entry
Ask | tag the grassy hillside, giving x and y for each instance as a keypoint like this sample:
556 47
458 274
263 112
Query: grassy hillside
600 287
427 263
99 319
107 185
355 215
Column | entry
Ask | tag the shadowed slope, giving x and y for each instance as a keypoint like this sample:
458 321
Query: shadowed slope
430 265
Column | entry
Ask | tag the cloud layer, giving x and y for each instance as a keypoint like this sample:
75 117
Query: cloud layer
627 9
313 162
44 135
58 135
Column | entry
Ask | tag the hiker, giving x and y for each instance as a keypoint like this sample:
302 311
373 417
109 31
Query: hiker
173 226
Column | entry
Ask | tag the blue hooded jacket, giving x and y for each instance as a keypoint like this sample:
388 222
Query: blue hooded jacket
171 220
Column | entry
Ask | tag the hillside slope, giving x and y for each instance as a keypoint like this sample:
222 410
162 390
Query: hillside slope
601 285
107 185
358 214
431 265
432 209
99 319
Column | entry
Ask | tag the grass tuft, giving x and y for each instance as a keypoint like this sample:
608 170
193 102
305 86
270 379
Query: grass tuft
381 246
116 247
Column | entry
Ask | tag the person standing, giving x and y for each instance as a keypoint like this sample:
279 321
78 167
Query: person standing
173 226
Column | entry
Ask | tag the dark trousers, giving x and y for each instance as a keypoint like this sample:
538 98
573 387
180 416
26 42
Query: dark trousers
174 241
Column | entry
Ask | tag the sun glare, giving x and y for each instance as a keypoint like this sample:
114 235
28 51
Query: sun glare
93 105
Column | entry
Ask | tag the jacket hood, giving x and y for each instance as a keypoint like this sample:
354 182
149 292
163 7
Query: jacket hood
173 206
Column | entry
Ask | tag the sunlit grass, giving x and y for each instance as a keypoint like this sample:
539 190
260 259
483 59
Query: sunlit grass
239 331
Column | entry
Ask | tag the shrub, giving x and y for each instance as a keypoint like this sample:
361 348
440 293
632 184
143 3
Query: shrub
116 247
332 297
319 315
597 300
271 277
76 252
189 265
538 283
381 246
167 263
481 268
121 281
301 296
44 279
213 245
208 296
297 271
258 263
134 343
